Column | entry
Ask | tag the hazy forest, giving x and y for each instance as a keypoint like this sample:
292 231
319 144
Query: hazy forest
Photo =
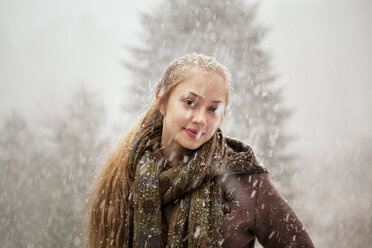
48 164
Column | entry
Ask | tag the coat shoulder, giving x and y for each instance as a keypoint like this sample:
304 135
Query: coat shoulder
241 158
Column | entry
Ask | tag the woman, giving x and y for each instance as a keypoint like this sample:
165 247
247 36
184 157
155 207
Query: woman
176 181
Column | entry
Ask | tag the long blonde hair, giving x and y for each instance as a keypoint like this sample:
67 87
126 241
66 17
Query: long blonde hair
109 199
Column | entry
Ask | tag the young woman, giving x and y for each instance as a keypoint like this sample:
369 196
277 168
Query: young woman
176 181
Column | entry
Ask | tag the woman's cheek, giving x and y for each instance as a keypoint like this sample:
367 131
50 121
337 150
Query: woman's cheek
188 113
216 124
182 117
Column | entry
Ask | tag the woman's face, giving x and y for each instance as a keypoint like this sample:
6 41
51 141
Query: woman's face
193 110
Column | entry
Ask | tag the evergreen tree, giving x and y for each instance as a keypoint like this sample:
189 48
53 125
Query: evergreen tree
74 149
226 30
46 173
17 155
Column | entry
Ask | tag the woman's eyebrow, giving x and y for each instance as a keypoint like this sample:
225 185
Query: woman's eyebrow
199 96
194 94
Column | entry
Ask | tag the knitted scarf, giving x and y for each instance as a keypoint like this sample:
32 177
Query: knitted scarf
193 185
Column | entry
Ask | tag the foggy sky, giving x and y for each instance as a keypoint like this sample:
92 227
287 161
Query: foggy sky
321 51
323 54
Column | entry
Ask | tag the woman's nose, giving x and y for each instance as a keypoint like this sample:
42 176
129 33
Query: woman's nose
199 117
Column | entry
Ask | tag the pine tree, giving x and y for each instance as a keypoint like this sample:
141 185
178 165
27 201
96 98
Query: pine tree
46 173
226 30
17 155
74 149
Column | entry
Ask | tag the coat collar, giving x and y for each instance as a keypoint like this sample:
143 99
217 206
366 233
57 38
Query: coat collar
241 159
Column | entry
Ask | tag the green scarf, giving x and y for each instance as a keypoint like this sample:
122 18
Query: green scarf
193 185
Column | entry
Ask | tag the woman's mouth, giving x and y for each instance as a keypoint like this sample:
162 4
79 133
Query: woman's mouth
193 133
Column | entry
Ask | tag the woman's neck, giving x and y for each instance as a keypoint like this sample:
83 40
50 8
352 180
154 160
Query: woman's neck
173 153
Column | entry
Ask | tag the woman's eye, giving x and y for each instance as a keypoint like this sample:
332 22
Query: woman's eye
213 110
189 103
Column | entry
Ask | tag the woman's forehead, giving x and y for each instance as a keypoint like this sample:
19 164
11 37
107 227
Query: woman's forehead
209 86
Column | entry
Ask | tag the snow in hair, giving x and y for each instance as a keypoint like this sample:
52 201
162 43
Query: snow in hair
183 66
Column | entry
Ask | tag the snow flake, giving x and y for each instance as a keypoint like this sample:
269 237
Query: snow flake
197 232
287 217
253 193
255 182
271 234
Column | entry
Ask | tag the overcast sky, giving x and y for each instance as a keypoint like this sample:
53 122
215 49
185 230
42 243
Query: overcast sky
321 50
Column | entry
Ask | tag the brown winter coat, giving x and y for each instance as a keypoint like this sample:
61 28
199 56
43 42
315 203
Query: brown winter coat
253 208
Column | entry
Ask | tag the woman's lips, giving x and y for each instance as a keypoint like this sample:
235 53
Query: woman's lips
193 133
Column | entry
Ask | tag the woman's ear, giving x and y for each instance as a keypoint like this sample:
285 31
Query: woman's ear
161 104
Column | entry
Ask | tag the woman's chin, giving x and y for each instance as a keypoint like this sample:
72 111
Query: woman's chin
192 145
